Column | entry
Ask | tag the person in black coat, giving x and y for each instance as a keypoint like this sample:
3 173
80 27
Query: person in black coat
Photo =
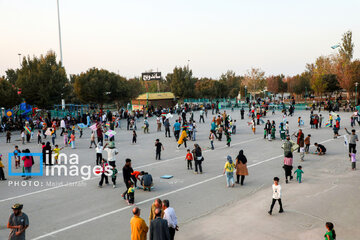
46 151
159 229
127 170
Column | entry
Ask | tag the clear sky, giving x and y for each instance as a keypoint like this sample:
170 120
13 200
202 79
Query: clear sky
129 37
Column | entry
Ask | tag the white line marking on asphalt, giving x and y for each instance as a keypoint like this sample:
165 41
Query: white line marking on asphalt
143 166
142 202
148 200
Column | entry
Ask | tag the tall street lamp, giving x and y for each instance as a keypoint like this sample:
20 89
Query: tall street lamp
356 84
19 54
58 12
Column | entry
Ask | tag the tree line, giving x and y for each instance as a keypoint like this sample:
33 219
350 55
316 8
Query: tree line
42 81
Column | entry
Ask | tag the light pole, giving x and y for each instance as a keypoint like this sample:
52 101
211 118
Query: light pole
58 11
245 92
305 94
356 84
188 63
19 54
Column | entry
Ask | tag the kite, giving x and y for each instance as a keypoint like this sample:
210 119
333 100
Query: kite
110 133
93 127
27 129
81 125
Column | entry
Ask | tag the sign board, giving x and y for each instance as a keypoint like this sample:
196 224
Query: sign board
151 76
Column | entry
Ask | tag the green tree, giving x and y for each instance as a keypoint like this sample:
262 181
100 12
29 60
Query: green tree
12 75
232 84
101 86
42 80
182 82
332 84
8 93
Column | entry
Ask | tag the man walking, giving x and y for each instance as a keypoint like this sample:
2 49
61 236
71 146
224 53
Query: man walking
139 228
176 129
167 127
202 116
276 195
170 216
159 227
18 223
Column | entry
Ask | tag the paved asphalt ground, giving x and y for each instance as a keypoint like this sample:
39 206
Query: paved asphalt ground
206 209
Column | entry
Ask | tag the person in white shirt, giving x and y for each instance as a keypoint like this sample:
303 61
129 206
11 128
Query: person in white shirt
99 149
276 195
62 125
112 151
170 216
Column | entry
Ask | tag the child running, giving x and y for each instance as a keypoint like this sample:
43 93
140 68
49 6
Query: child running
298 173
56 150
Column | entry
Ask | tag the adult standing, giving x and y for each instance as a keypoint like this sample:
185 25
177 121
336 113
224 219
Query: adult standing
176 129
242 111
170 216
287 147
288 161
202 116
18 223
300 139
139 228
156 204
267 129
198 158
159 227
127 170
167 127
46 151
241 168
62 125
99 133
353 139
112 151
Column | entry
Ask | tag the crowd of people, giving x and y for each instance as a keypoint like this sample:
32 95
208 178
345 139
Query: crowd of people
163 221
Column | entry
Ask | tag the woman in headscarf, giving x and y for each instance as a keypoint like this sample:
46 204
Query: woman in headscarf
46 151
198 158
241 168
229 170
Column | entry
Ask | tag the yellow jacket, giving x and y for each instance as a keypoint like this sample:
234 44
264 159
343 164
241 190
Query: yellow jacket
1 164
152 213
139 228
182 136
